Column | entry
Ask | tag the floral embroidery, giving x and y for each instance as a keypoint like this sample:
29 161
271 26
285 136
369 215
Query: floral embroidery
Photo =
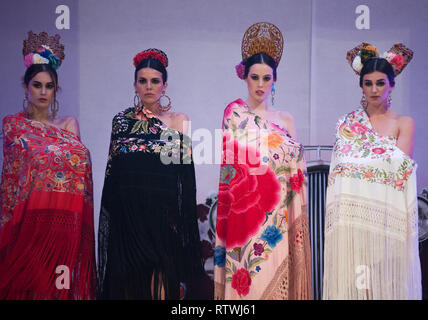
258 249
272 235
31 144
241 282
296 181
133 132
356 141
249 203
219 256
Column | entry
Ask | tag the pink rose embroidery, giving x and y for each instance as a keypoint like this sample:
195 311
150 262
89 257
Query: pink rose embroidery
378 150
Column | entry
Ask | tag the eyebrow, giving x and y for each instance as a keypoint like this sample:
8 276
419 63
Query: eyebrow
38 82
266 75
382 79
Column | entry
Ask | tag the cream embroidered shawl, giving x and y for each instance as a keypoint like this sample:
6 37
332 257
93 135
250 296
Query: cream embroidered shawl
371 230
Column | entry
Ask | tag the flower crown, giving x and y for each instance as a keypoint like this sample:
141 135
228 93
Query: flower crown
151 53
43 49
262 37
398 56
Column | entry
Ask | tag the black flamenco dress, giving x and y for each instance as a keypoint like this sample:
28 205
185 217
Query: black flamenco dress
148 240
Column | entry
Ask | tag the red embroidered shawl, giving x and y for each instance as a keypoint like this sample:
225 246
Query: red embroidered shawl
46 218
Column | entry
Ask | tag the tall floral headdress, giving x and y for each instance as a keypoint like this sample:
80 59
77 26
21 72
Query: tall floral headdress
43 49
398 56
151 53
261 37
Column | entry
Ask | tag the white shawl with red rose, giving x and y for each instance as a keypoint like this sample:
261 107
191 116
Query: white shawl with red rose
371 226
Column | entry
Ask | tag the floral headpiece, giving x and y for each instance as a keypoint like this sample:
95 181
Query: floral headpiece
398 56
43 49
261 37
151 53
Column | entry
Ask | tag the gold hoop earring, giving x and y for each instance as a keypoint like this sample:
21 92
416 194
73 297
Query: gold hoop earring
137 101
164 107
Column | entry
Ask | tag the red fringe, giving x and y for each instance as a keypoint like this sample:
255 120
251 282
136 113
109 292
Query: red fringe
36 241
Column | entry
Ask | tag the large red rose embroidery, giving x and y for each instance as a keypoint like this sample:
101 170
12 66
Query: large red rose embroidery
244 197
241 282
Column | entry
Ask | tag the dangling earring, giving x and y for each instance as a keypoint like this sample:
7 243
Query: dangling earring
54 108
389 100
25 107
137 102
363 102
164 107
273 93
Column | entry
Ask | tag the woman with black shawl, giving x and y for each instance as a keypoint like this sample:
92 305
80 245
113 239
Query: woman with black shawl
149 245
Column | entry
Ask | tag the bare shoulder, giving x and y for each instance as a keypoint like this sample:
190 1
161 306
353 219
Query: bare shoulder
406 122
180 121
68 123
179 116
406 132
287 121
286 116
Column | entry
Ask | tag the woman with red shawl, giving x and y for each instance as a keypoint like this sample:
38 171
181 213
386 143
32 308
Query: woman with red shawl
46 203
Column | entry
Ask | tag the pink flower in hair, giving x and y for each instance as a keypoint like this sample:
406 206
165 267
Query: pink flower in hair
40 49
28 60
240 70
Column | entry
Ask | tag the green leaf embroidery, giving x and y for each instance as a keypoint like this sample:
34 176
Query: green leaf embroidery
256 261
289 197
366 153
244 248
141 124
282 169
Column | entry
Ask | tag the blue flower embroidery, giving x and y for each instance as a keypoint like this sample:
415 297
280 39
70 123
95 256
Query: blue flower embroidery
272 235
219 256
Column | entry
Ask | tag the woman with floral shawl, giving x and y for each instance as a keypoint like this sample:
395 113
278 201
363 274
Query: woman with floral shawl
47 244
149 246
262 242
371 230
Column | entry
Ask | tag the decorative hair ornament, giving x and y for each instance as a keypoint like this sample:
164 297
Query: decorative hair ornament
43 49
398 56
240 70
151 53
262 37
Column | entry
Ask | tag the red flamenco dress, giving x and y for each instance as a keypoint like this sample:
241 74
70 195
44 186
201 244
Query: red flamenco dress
46 219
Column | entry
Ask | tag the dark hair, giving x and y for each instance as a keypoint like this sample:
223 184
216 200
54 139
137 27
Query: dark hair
37 68
378 64
154 64
260 58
